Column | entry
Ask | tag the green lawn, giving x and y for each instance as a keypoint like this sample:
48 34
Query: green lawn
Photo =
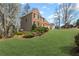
53 43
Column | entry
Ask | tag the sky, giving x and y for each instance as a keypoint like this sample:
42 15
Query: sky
47 10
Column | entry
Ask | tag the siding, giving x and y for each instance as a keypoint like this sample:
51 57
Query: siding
26 22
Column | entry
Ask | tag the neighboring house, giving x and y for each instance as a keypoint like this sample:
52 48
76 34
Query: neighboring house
33 17
52 26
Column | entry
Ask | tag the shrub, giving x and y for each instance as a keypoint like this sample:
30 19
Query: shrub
77 40
34 30
28 35
42 29
37 33
33 26
45 29
19 33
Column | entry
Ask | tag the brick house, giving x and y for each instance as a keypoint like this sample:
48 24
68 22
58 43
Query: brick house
33 17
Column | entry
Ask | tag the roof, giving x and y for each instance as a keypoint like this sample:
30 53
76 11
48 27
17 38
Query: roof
26 14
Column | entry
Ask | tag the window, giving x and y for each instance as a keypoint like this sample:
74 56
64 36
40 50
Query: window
34 15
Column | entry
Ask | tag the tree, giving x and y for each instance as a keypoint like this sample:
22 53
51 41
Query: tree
8 12
67 11
57 17
77 23
26 9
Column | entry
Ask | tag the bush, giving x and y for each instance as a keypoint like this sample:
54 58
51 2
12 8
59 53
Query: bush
28 35
42 29
37 33
33 26
77 40
46 29
34 30
19 33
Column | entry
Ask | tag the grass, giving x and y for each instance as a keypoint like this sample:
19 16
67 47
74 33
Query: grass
53 43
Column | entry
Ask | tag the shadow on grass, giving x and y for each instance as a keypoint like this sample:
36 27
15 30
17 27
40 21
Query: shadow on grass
72 51
75 51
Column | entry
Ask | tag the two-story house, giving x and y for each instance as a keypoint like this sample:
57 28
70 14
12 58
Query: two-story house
33 17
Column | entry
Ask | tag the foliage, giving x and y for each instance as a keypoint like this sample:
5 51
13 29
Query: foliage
42 29
77 23
39 31
19 33
26 9
8 12
33 26
34 30
77 40
65 12
28 35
